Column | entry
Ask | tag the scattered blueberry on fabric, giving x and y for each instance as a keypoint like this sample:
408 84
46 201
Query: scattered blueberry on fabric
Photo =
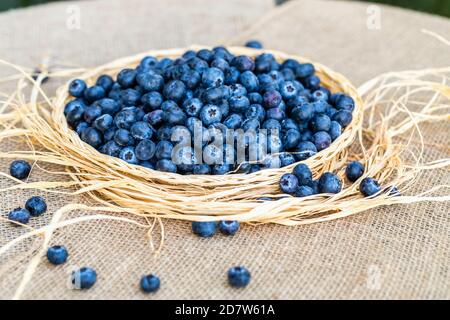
369 187
57 255
204 229
20 169
150 283
83 278
354 170
36 206
239 277
255 44
330 183
207 91
229 227
19 215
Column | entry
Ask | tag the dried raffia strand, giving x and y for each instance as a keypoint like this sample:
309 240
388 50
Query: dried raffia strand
118 186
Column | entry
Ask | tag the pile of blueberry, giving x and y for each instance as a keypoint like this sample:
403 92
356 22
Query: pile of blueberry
195 101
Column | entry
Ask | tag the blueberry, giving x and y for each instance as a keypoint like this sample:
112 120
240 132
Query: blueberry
83 278
111 148
164 132
369 187
76 104
319 95
150 283
303 174
152 100
92 137
288 183
275 113
130 97
320 122
19 215
103 122
304 70
271 99
272 124
243 63
237 90
127 78
274 143
263 62
255 111
205 54
220 63
198 65
128 154
191 79
141 130
94 93
145 150
147 164
204 229
81 127
238 277
304 150
109 106
212 77
220 169
239 104
155 118
19 169
164 150
92 112
185 158
36 206
105 81
304 191
320 106
229 227
344 102
181 135
150 81
335 130
322 140
233 121
210 114
192 107
166 165
286 159
290 64
57 255
315 186
354 170
255 98
303 113
231 76
77 88
75 115
288 90
343 117
289 124
201 169
175 115
174 90
125 119
330 183
255 44
123 138
249 81
312 82
212 154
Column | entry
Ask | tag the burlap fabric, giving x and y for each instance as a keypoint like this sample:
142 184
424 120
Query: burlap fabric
388 253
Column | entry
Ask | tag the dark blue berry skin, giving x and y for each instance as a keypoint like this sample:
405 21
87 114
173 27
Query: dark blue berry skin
145 150
315 186
191 79
213 77
286 159
303 113
264 62
210 114
36 206
166 165
243 63
128 154
164 133
77 88
304 191
250 125
192 107
312 82
221 64
239 104
288 90
320 95
249 81
155 118
304 150
369 187
19 215
255 98
322 140
111 148
256 111
304 70
288 183
92 137
84 278
201 169
272 124
150 283
81 127
255 44
344 102
141 130
130 97
174 90
19 169
229 228
125 119
175 115
76 104
127 78
354 171
109 106
152 100
103 122
231 76
237 90
57 255
123 138
238 277
303 174
330 183
271 99
94 93
105 81
343 117
233 121
164 150
75 115
204 229
92 112
205 54
291 139
147 164
275 113
335 130
220 169
150 81
288 124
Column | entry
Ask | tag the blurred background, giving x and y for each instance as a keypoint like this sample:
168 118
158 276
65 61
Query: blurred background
440 7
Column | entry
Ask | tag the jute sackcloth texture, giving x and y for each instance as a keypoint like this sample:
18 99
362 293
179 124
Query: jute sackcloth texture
393 252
